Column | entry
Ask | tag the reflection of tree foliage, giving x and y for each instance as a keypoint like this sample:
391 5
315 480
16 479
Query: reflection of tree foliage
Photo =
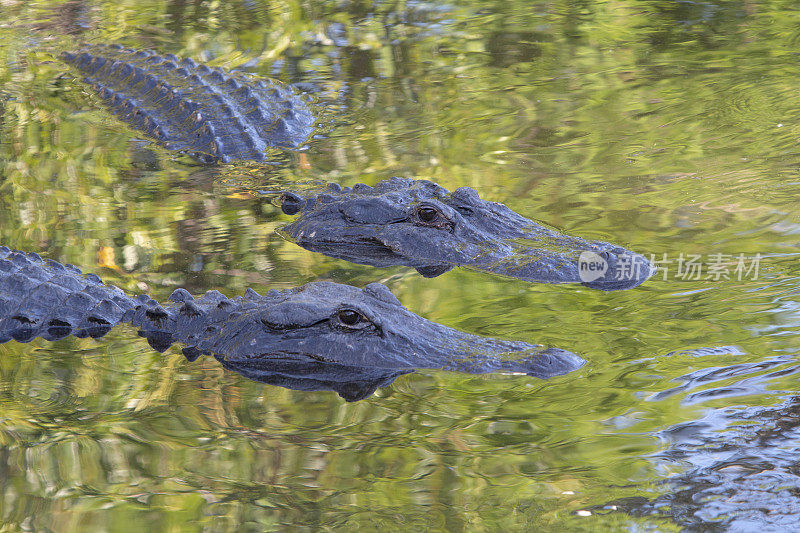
707 24
653 124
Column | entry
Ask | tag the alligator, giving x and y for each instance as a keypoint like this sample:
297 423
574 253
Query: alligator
211 113
420 224
322 334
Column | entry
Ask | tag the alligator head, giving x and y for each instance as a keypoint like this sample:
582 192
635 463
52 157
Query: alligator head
348 338
419 224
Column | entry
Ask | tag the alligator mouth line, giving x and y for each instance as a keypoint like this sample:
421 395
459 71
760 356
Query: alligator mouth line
293 357
362 246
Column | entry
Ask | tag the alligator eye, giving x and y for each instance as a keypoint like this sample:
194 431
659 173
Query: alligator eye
427 214
348 317
351 319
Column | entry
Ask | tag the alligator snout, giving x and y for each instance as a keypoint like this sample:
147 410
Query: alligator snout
618 269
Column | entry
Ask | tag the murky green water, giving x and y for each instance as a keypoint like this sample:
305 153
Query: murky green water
670 128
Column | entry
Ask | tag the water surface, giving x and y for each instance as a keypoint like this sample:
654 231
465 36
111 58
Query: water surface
670 128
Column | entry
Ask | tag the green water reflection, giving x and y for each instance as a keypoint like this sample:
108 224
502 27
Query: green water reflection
665 127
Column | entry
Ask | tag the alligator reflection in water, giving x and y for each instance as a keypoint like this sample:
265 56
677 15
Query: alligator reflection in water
322 335
419 224
350 382
740 462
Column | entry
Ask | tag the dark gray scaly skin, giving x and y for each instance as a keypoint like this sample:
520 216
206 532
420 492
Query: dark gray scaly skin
322 334
419 224
209 112
43 298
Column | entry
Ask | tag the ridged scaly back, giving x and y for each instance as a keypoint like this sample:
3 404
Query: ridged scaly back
43 298
211 113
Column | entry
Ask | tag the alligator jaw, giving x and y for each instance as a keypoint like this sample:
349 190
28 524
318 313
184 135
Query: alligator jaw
450 349
351 383
363 249
538 255
355 383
